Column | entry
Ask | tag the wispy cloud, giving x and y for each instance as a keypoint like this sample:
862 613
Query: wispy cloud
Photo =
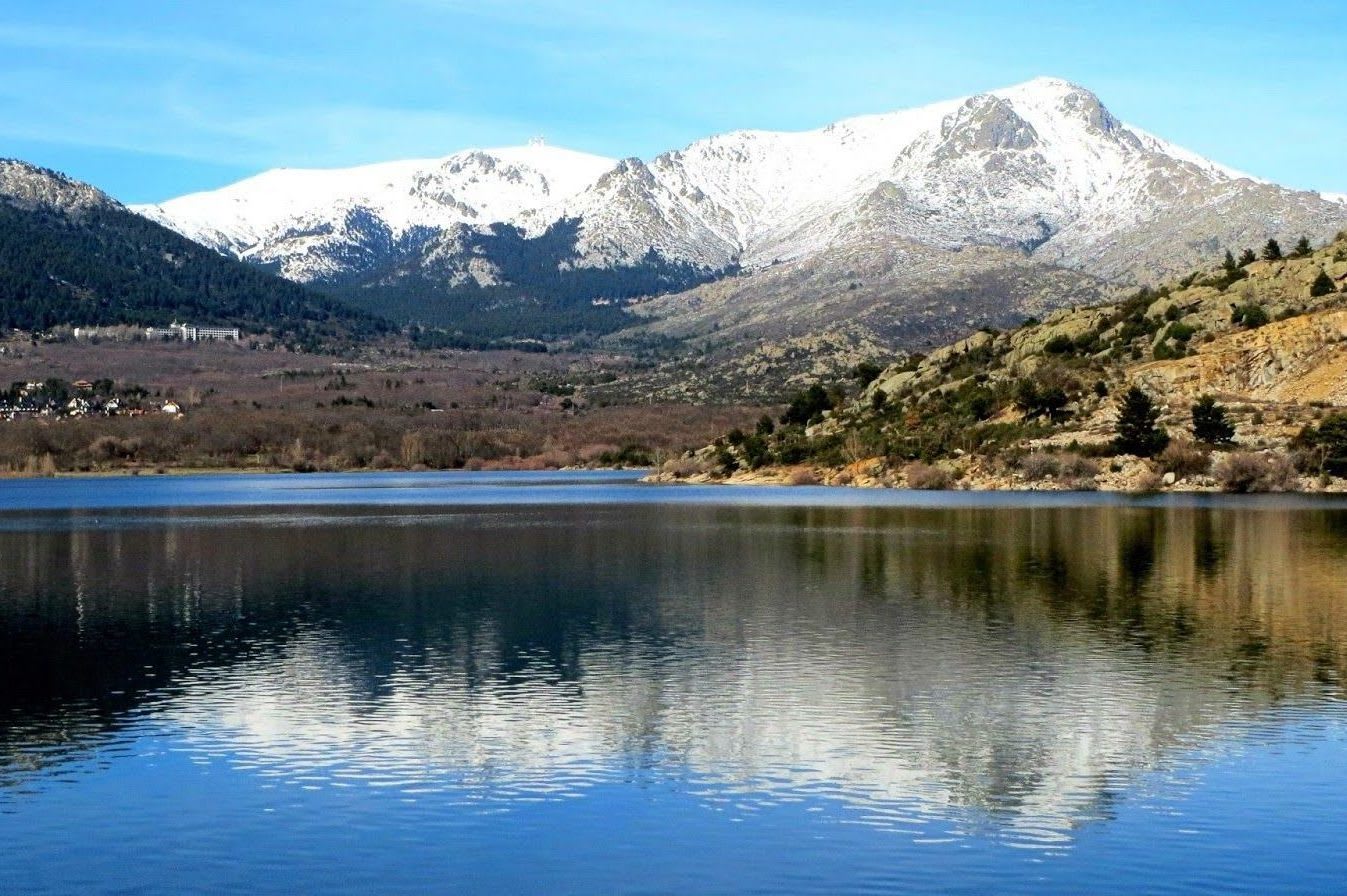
66 40
257 84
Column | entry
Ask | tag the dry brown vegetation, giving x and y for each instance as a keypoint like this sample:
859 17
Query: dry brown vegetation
384 409
928 477
1251 471
1182 458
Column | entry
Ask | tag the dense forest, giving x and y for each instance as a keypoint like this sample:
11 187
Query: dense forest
542 295
105 265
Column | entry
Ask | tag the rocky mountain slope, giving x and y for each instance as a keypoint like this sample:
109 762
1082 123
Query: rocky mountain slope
1041 169
1266 339
70 254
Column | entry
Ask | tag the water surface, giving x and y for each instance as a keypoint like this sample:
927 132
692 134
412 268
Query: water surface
476 683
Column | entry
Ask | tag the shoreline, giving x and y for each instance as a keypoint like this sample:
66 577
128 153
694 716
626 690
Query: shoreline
1136 476
871 475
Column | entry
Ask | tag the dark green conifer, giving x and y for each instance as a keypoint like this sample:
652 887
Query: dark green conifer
1137 430
1322 285
1210 423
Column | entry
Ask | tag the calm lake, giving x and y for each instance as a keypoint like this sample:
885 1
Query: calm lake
573 683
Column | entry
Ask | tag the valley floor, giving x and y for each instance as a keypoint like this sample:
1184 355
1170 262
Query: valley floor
385 408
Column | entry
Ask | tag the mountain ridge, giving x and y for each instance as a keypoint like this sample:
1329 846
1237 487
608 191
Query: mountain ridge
1041 168
71 254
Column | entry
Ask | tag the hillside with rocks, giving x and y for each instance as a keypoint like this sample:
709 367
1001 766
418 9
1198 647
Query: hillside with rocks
1262 338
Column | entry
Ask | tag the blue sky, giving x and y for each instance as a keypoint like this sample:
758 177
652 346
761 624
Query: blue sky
152 99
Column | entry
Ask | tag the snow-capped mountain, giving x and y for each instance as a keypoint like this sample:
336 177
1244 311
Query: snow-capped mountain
307 221
1042 169
1042 166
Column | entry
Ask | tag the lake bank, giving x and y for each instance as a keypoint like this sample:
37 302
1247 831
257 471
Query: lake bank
1123 475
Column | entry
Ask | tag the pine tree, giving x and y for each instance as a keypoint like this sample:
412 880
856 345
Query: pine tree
1272 251
1247 258
1230 264
1303 248
1137 432
1210 424
1322 285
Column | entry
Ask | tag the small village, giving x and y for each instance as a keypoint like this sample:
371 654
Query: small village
57 398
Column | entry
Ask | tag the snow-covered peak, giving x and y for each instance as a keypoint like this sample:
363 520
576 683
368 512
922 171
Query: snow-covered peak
1010 166
1042 167
479 186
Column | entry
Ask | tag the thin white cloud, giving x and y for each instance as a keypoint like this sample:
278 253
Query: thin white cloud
65 39
206 130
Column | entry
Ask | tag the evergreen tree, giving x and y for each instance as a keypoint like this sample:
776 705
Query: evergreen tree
1247 258
1322 285
1210 423
1272 251
1137 432
1303 248
807 407
1035 402
1230 264
1251 315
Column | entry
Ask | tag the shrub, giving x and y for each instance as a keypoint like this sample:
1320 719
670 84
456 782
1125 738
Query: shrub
1182 458
1249 315
1070 467
1040 465
1163 351
1077 467
1149 481
802 477
1059 345
1328 442
110 448
683 467
866 373
1243 472
1180 332
927 477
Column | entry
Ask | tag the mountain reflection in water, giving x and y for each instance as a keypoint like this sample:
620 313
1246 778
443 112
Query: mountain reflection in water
1009 670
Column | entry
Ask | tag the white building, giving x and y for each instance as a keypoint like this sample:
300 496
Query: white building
190 333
